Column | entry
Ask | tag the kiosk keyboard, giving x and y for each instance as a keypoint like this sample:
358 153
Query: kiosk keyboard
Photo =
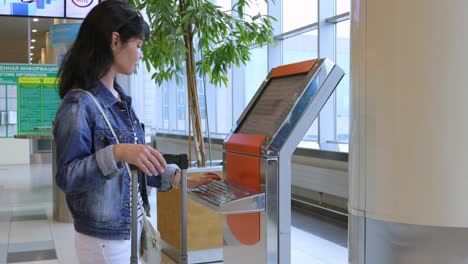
220 192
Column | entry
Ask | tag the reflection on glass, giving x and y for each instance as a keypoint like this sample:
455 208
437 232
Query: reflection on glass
165 107
343 147
300 48
148 111
255 8
223 105
180 106
343 6
312 133
255 72
181 114
299 13
309 144
201 103
224 4
342 91
180 97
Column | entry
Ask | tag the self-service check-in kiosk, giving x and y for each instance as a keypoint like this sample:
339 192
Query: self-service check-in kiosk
255 195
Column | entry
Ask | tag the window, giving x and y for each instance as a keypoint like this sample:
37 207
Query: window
302 33
181 102
259 7
342 91
165 107
343 6
221 118
224 4
301 47
201 89
299 13
255 72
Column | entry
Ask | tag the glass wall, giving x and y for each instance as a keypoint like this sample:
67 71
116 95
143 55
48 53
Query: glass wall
342 91
301 47
255 72
306 30
299 13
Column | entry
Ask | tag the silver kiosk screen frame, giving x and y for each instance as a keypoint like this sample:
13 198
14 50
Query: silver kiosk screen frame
292 113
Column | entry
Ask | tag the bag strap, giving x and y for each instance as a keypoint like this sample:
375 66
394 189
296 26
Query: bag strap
107 122
102 113
135 200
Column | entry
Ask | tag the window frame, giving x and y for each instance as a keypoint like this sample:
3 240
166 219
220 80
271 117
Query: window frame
326 47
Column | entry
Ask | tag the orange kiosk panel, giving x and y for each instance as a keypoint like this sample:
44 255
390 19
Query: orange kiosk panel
294 68
243 168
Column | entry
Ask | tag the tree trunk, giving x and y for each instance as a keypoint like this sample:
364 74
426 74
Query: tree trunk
194 106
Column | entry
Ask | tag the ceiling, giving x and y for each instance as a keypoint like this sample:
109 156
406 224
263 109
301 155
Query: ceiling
14 41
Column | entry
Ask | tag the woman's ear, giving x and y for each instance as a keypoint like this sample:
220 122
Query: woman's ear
115 43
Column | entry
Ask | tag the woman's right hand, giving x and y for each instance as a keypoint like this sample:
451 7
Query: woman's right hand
148 159
202 179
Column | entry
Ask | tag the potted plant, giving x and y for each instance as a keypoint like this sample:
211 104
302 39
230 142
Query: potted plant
197 38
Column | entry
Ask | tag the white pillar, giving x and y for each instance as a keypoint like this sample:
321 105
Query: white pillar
409 130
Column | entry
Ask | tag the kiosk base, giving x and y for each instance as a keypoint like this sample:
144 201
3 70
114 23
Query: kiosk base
204 238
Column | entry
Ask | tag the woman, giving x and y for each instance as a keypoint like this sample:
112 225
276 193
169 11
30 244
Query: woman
89 161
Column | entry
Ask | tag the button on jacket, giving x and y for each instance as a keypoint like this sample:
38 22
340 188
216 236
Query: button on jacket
97 189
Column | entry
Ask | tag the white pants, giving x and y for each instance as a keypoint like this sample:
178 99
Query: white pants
92 250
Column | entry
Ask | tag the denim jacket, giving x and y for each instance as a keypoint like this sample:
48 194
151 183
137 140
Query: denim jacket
97 189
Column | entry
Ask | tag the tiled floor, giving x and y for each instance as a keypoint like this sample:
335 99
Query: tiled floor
29 235
316 239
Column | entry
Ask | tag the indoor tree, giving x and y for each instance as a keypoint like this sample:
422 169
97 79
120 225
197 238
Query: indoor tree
198 38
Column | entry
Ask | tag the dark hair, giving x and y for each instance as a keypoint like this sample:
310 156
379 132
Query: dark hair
90 56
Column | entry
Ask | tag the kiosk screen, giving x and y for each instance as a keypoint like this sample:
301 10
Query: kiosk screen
273 105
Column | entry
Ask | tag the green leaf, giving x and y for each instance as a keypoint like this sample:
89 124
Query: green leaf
222 38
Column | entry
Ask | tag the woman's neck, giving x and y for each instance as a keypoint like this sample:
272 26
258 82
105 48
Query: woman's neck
108 81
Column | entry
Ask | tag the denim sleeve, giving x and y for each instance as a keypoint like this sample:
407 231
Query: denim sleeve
154 181
77 164
106 161
163 182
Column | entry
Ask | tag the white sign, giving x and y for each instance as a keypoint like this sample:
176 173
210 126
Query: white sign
79 8
12 117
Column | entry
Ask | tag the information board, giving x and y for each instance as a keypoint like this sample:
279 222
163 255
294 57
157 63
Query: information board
37 96
35 8
47 8
79 8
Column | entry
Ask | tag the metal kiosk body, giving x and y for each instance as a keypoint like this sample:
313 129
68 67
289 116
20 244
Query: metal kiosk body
180 160
256 192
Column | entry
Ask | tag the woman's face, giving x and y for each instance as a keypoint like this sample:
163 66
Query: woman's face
127 56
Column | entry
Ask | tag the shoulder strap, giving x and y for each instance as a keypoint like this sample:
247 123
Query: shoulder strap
102 113
107 122
135 199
